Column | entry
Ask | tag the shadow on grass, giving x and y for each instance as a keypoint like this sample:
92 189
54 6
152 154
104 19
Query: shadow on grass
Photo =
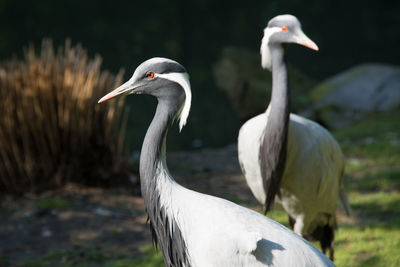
386 179
364 258
381 206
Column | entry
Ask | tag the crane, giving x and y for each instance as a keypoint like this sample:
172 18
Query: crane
287 157
194 229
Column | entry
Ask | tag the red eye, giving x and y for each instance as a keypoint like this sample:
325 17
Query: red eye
150 75
284 29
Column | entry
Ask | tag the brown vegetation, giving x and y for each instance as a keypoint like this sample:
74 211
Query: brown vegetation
51 128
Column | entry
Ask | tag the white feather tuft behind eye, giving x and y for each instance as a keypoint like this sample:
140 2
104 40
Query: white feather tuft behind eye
266 60
182 78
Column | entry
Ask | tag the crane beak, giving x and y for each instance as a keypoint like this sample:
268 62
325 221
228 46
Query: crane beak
302 39
126 88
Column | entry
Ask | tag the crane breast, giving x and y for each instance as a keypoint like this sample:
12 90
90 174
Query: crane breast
249 142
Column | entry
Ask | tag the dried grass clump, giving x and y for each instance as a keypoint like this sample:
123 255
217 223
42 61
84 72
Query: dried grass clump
51 128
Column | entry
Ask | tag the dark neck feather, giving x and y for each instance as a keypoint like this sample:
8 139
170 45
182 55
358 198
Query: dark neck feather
163 226
273 147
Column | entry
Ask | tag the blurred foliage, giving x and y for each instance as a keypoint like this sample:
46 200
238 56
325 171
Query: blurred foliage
195 32
51 129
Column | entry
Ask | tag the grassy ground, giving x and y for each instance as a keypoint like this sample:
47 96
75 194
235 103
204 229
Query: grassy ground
371 236
82 235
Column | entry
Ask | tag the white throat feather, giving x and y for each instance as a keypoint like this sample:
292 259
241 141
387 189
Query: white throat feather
182 78
266 60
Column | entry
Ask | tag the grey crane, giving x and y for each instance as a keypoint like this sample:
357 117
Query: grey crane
194 229
287 157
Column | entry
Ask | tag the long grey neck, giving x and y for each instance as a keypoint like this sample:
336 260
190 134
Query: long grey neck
273 147
153 149
153 171
279 103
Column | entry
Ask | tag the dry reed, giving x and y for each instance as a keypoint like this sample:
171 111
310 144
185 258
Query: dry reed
51 128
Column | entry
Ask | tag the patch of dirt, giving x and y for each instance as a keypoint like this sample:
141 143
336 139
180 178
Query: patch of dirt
95 220
107 224
212 171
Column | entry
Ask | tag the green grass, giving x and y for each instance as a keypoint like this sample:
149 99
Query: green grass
372 237
376 138
372 245
150 258
52 203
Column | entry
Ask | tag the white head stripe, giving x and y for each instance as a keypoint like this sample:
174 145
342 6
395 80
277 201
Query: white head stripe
266 60
182 78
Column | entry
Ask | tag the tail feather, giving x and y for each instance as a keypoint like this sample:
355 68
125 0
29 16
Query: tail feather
344 201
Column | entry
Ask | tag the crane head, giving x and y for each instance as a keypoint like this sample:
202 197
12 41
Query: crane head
282 29
163 78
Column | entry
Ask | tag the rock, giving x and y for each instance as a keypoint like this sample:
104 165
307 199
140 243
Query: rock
102 212
239 74
350 96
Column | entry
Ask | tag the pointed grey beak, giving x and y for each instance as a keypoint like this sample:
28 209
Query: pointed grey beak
124 89
302 39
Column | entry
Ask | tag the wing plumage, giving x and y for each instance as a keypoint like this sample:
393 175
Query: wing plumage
313 171
227 234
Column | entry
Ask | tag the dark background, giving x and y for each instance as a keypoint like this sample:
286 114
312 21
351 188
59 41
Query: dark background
125 33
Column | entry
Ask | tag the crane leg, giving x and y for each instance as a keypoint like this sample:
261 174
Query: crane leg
299 225
326 240
331 252
292 222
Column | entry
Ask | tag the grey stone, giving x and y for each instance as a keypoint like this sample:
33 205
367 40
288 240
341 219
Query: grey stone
350 96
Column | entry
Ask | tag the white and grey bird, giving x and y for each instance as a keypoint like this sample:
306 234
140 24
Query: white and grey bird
290 158
194 229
